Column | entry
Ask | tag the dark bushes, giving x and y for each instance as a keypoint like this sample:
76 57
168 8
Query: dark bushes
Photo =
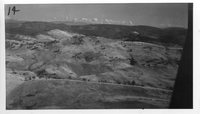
77 40
132 61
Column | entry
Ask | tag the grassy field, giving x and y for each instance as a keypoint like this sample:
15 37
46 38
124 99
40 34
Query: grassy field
66 94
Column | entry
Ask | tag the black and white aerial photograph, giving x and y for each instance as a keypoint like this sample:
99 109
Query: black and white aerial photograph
93 56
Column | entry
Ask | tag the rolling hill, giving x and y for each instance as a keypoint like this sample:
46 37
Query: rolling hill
64 66
174 36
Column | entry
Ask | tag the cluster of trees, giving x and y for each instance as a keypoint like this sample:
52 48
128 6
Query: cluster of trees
77 40
88 56
44 74
132 82
132 61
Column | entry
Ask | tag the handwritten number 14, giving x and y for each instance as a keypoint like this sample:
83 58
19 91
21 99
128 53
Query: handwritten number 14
14 10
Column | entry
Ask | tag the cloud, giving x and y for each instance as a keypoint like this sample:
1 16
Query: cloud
109 21
95 19
84 19
75 19
55 18
130 22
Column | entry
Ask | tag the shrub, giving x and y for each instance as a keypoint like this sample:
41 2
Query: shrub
118 82
89 56
132 61
132 82
77 40
70 77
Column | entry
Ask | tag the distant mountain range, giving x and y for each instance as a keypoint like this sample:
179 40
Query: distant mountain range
167 36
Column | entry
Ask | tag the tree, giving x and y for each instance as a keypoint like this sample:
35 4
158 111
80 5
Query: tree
132 82
132 61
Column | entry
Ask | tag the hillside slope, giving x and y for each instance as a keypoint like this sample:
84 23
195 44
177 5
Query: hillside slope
64 94
47 61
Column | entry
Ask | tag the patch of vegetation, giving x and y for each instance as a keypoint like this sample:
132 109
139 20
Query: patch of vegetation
132 61
77 40
90 56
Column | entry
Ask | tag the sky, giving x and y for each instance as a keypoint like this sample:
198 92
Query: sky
151 14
